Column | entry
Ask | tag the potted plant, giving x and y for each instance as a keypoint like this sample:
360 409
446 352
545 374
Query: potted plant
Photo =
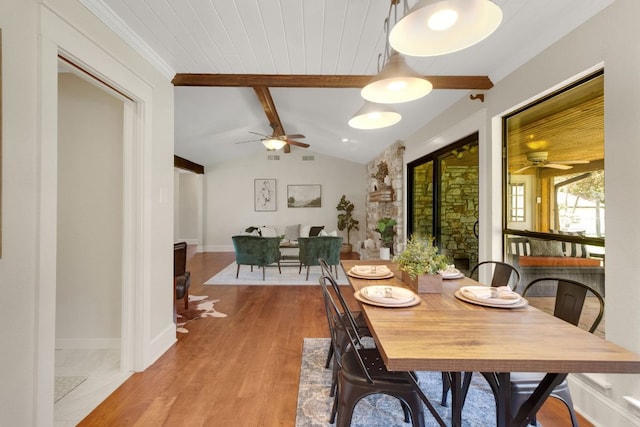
346 221
420 263
387 233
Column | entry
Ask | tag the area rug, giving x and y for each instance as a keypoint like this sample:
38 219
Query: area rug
314 402
289 276
64 385
200 306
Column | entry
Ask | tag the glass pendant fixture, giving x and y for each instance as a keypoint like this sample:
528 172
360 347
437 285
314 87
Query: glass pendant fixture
374 116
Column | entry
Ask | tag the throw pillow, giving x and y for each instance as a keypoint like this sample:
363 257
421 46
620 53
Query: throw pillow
541 247
334 233
322 233
250 230
292 232
573 249
304 230
268 231
315 230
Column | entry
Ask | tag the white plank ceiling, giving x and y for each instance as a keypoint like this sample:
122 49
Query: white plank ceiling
326 37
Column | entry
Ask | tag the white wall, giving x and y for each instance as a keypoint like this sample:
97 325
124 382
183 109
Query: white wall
89 266
188 199
609 39
229 206
33 35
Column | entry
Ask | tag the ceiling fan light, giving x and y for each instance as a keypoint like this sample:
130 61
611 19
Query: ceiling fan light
430 28
273 143
374 116
396 83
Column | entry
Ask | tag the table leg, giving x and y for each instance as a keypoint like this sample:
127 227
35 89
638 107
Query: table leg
457 398
530 407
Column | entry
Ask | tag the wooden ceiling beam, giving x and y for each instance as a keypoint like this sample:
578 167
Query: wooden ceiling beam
269 107
318 81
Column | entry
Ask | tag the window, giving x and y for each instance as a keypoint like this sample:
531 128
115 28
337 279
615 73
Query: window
517 202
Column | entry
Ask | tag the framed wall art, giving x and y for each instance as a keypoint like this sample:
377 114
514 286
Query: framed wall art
264 194
304 196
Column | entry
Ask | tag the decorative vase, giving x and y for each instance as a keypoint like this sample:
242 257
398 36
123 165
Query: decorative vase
425 284
346 248
385 253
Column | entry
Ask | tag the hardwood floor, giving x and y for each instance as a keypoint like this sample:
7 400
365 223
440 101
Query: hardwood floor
241 370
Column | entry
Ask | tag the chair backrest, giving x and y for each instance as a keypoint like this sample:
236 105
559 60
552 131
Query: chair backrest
570 299
179 259
337 325
312 248
503 274
328 277
256 250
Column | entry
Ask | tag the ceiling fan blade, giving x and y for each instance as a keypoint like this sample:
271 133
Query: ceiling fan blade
572 162
249 140
557 166
522 169
260 134
295 136
297 143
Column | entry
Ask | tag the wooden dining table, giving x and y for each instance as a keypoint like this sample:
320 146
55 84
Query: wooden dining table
442 333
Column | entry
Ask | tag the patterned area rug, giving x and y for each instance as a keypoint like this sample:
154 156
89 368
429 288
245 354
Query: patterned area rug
314 402
64 386
199 306
289 276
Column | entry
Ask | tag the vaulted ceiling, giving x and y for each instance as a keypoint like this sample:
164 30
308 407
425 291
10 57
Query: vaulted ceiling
318 39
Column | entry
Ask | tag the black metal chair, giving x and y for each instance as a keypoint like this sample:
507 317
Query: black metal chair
354 319
362 372
569 303
503 274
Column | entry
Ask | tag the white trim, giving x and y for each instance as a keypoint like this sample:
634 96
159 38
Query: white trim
118 26
597 408
87 343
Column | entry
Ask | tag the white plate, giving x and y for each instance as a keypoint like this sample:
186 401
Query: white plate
415 301
391 295
488 302
367 270
450 276
468 292
360 276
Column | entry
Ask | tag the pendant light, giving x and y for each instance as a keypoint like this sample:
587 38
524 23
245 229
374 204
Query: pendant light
273 143
395 83
374 116
438 27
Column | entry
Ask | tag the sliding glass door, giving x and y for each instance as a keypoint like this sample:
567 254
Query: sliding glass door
443 200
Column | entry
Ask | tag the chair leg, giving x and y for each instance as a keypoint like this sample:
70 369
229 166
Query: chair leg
335 268
186 299
263 272
329 357
300 268
279 269
238 271
308 267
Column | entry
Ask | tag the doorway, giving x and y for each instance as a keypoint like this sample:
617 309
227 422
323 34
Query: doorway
443 200
89 262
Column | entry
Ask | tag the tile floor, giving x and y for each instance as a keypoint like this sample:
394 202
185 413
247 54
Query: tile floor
102 369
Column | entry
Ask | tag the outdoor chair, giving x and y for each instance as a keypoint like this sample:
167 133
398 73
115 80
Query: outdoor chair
256 250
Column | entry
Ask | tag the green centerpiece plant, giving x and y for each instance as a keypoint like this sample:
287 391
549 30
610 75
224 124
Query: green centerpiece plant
420 263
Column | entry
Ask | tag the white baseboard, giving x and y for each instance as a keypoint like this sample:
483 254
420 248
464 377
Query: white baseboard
87 343
188 241
160 344
598 408
218 248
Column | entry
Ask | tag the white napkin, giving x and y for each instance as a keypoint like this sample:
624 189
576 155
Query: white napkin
498 295
387 294
371 270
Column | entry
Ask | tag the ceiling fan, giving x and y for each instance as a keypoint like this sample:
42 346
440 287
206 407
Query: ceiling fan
539 159
276 142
